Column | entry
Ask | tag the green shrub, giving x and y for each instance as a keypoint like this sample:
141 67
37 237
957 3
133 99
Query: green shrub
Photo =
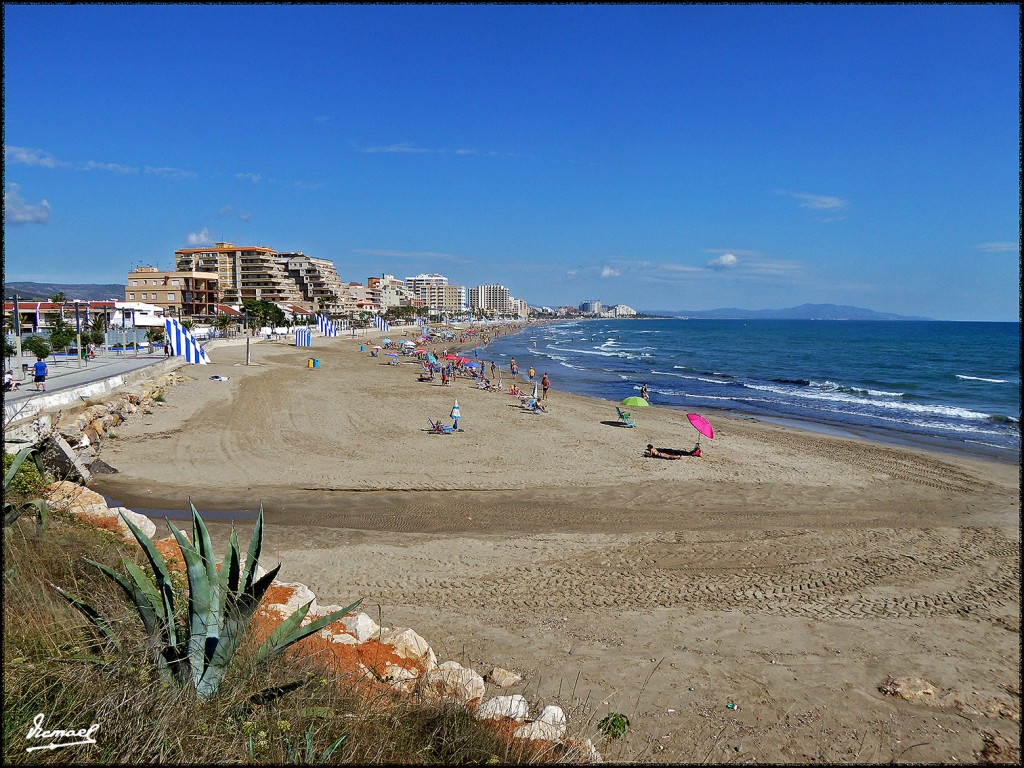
26 481
37 345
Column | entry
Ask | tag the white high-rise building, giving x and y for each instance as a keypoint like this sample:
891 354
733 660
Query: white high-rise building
414 283
493 299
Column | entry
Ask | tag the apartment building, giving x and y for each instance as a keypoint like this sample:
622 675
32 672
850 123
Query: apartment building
317 280
179 294
363 298
244 273
492 299
445 299
393 292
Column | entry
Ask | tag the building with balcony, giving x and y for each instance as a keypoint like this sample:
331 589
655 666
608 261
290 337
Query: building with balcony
393 292
244 273
444 299
492 300
179 294
317 280
414 283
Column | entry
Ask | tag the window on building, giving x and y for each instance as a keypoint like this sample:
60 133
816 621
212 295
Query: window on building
131 297
135 282
170 297
175 282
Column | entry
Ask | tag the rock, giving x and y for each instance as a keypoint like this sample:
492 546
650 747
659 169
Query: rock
554 717
288 597
361 626
401 678
334 636
146 525
536 730
68 495
514 707
451 680
502 677
100 467
409 645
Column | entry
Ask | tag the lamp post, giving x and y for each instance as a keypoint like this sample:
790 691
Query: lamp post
78 336
17 330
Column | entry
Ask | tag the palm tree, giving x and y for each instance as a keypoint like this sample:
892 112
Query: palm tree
223 323
59 297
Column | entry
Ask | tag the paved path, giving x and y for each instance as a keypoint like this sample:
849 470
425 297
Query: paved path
65 374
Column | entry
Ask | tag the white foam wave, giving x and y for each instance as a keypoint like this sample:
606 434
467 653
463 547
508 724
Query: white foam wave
982 378
811 393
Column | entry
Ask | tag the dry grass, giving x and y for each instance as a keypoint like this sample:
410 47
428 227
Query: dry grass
55 665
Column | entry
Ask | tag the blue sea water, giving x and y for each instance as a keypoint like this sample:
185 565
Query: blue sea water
947 384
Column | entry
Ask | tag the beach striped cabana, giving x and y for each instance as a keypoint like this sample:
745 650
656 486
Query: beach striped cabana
303 337
183 343
326 326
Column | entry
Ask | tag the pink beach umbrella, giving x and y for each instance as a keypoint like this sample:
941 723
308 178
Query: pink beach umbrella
702 425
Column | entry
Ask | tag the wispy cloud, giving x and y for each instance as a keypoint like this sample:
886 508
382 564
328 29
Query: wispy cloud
998 247
230 210
408 148
17 211
255 178
829 203
202 237
385 253
42 159
26 156
610 272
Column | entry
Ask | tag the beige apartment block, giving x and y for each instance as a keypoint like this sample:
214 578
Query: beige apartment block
317 280
446 299
247 272
190 294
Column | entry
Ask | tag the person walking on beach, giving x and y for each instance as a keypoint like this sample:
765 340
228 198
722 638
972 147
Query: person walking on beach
513 368
643 393
545 382
39 373
532 373
492 370
167 348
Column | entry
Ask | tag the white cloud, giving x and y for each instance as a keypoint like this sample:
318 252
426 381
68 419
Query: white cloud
203 237
403 148
25 156
17 211
610 272
725 261
91 165
253 177
816 202
170 173
998 247
231 210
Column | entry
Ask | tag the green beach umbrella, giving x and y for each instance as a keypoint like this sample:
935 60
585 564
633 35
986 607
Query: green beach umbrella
634 402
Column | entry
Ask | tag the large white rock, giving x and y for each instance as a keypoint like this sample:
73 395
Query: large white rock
515 707
361 626
409 645
301 595
536 730
401 678
144 524
553 716
451 680
502 677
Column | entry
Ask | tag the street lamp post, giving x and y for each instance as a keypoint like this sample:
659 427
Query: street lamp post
78 336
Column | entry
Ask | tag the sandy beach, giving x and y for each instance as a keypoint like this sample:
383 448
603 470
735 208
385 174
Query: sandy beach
787 572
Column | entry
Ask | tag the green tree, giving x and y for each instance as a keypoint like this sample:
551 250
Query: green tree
155 335
62 334
37 345
223 323
58 297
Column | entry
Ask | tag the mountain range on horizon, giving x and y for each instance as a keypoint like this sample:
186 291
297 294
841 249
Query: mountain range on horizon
30 291
803 312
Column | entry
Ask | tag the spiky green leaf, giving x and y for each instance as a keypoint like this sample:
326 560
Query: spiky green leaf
199 614
290 632
90 613
252 557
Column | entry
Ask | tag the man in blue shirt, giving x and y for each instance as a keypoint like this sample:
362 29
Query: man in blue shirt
39 371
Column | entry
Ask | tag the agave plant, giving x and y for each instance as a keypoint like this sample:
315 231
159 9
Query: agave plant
197 653
13 511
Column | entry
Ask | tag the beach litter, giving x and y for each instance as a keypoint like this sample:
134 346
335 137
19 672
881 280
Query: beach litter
219 378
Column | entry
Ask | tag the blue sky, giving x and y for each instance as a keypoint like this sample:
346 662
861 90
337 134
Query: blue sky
665 157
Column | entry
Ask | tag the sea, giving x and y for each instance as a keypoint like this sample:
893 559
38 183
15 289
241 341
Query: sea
952 386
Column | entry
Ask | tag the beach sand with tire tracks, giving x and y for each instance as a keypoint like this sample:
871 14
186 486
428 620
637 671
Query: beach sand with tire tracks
787 572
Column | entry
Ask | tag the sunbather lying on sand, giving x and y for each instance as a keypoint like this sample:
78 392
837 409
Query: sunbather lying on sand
669 453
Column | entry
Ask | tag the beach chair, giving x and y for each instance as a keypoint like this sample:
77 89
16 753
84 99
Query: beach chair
440 429
625 418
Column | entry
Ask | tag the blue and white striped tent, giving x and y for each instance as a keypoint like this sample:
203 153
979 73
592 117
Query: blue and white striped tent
326 326
303 337
183 343
381 323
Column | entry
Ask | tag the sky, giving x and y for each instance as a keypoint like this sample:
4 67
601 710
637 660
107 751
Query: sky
667 157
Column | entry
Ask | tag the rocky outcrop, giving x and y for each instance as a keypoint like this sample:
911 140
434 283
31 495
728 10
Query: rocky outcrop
393 659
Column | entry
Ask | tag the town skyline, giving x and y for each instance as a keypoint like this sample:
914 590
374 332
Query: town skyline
686 157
